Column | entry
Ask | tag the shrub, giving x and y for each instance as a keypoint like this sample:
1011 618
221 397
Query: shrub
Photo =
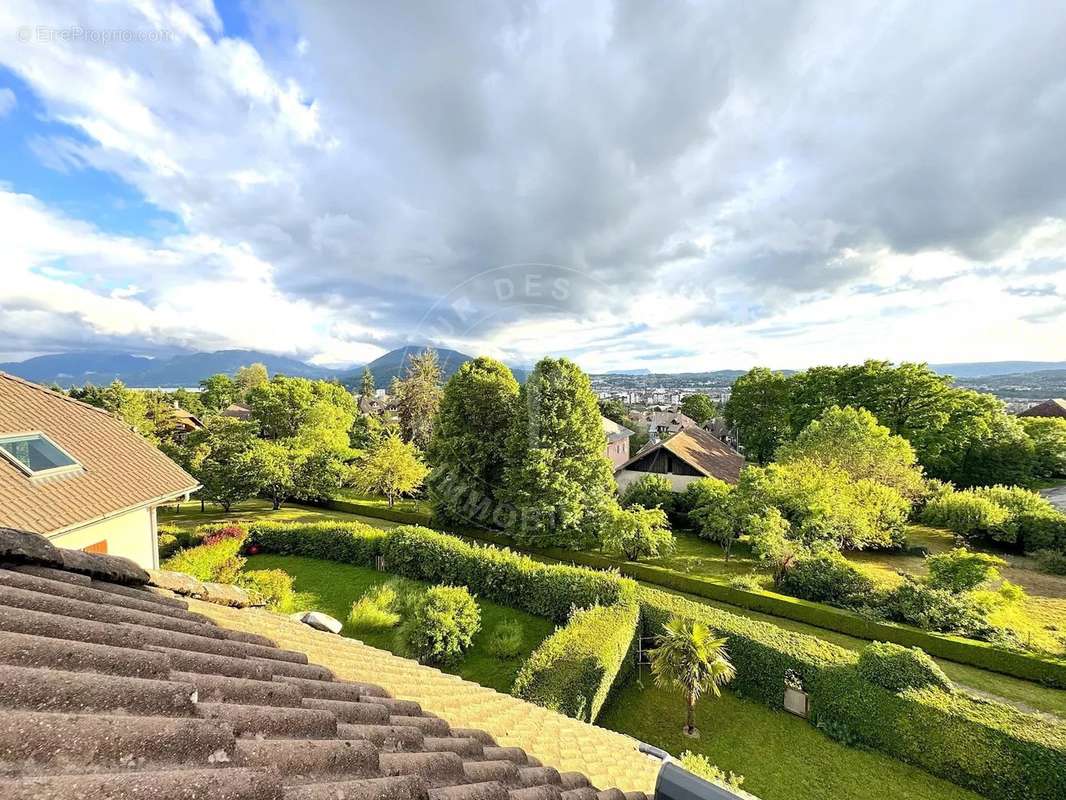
712 513
168 545
1053 561
826 577
1049 440
442 625
961 570
377 608
217 562
640 532
506 640
215 532
968 515
650 491
939 610
545 590
771 542
574 669
345 542
897 668
700 765
751 582
271 587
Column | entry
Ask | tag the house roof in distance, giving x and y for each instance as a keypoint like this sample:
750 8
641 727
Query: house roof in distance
118 469
703 452
614 431
1056 407
110 688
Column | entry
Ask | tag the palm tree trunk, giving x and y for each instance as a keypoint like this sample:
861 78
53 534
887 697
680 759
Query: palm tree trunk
690 718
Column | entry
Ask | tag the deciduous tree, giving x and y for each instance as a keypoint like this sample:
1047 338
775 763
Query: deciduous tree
392 469
417 397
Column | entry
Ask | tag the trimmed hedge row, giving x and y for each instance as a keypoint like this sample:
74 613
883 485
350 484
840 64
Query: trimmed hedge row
574 670
988 747
1002 753
953 648
378 512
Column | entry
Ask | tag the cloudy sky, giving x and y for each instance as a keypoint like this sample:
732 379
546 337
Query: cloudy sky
679 186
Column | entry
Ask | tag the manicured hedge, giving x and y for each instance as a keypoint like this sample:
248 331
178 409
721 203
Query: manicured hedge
954 648
574 670
1001 753
346 542
894 667
377 511
988 747
547 590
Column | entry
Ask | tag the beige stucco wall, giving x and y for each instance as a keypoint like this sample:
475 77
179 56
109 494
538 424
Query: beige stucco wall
132 534
628 476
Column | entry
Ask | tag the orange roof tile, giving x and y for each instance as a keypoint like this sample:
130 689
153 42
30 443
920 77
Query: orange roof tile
120 469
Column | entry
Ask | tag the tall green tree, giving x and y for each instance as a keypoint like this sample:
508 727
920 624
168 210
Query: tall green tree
366 387
218 392
249 377
698 406
851 439
273 463
615 411
468 447
758 409
416 397
392 469
1048 435
559 485
690 658
224 460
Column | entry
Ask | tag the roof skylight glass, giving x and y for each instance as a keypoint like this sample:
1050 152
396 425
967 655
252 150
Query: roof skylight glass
36 454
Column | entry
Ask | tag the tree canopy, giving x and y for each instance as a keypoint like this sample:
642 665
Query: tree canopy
417 396
392 469
698 406
468 445
559 483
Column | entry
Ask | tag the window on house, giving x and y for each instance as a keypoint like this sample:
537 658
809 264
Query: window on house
36 454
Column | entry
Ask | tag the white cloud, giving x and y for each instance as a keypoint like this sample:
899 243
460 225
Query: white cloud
805 186
8 101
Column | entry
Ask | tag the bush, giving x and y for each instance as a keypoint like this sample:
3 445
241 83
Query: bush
1053 561
1049 441
574 669
701 766
442 625
640 532
711 511
378 608
215 532
750 582
506 640
217 562
826 577
168 545
270 587
961 570
897 668
939 610
544 590
650 491
968 515
344 542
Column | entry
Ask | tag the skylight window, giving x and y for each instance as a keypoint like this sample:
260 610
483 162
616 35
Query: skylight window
36 454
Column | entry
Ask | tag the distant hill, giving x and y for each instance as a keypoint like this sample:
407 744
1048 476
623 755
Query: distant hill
638 371
77 369
984 369
394 365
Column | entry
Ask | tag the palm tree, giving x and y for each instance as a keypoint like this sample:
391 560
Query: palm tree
690 658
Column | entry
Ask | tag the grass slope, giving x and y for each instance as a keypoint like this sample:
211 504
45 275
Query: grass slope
332 588
189 515
782 757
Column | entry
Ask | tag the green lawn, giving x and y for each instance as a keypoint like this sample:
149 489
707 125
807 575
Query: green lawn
782 757
408 505
189 515
332 588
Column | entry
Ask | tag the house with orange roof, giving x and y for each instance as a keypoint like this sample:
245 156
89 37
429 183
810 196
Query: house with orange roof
79 476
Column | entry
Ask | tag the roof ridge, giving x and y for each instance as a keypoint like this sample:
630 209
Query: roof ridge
60 395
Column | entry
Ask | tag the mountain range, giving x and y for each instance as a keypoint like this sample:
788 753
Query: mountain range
100 368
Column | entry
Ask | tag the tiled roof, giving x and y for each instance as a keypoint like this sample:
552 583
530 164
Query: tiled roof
1056 407
613 431
118 691
121 469
704 452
